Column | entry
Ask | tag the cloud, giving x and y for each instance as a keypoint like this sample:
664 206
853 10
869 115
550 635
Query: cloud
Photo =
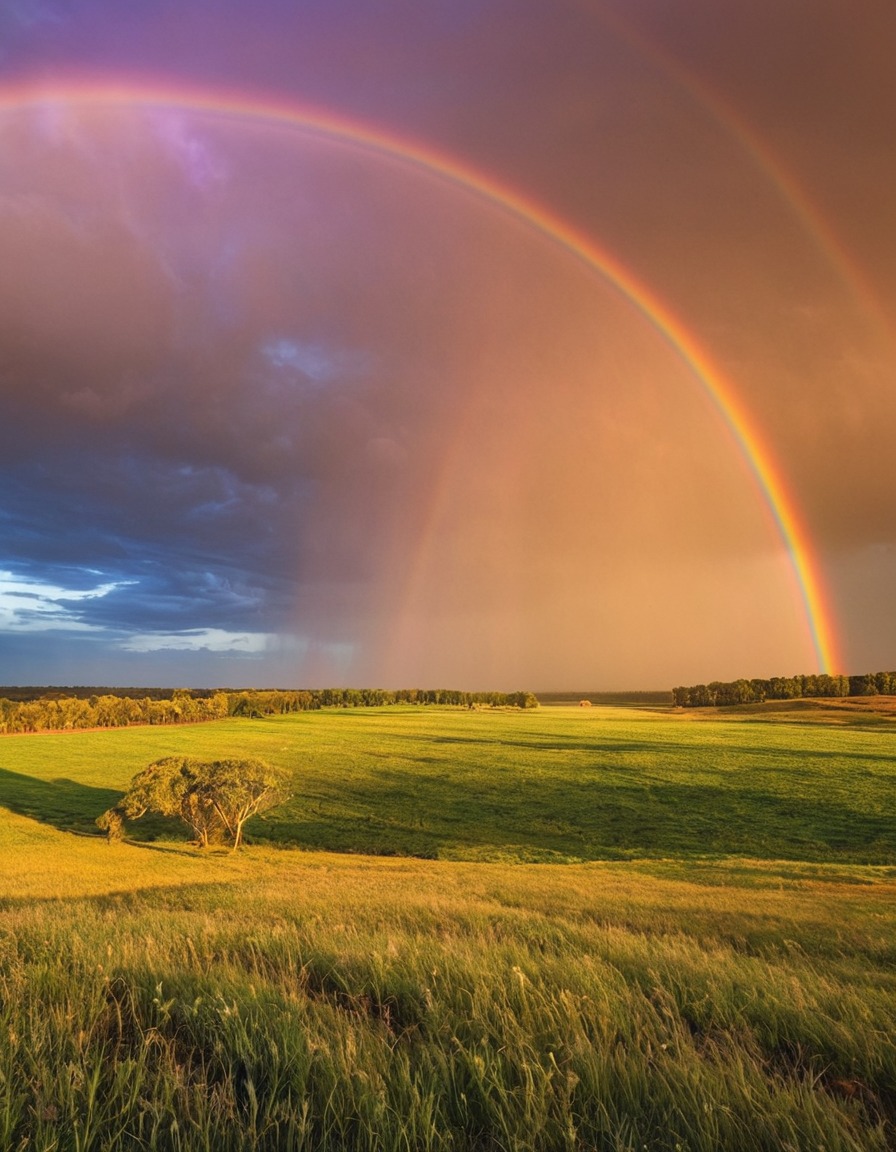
316 362
202 163
266 387
28 604
202 640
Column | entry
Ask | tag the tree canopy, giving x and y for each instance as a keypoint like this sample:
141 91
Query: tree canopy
213 798
65 709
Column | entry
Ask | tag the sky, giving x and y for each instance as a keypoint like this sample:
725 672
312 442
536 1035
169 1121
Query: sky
486 345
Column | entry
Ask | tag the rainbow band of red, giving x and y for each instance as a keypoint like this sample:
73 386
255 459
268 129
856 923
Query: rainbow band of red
766 474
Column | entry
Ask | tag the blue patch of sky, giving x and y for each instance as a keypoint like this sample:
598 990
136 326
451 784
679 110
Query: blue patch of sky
316 362
312 360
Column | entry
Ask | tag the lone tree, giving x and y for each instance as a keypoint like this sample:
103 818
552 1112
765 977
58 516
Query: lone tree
214 799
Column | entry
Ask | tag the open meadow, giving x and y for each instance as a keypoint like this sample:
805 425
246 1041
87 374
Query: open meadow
602 928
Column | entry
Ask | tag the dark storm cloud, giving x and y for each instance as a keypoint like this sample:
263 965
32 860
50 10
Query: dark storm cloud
201 414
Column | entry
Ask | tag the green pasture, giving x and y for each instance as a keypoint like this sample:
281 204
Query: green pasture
714 972
559 785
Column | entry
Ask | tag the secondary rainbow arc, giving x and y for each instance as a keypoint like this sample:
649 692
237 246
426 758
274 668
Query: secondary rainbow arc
766 473
791 191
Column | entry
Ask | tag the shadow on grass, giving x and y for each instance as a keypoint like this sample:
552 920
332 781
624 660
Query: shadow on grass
433 815
65 804
201 896
562 745
68 806
759 752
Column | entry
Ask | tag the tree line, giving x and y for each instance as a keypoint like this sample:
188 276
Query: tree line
720 693
56 712
632 696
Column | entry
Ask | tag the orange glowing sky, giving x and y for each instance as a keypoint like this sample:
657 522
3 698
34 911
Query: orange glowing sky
482 348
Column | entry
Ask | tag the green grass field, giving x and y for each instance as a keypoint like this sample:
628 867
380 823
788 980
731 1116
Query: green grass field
603 928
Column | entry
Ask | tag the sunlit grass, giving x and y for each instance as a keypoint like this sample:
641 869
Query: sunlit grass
309 1000
154 996
551 785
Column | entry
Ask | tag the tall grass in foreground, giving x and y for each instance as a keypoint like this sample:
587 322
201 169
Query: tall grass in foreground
307 1002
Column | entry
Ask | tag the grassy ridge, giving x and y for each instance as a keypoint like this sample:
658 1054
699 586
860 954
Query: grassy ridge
155 997
554 785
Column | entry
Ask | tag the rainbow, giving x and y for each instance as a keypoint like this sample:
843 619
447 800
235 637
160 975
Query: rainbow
815 604
773 168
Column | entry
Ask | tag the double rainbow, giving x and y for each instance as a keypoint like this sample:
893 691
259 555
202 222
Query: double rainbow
791 192
815 605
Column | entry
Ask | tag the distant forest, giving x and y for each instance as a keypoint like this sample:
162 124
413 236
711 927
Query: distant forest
630 697
65 709
784 688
